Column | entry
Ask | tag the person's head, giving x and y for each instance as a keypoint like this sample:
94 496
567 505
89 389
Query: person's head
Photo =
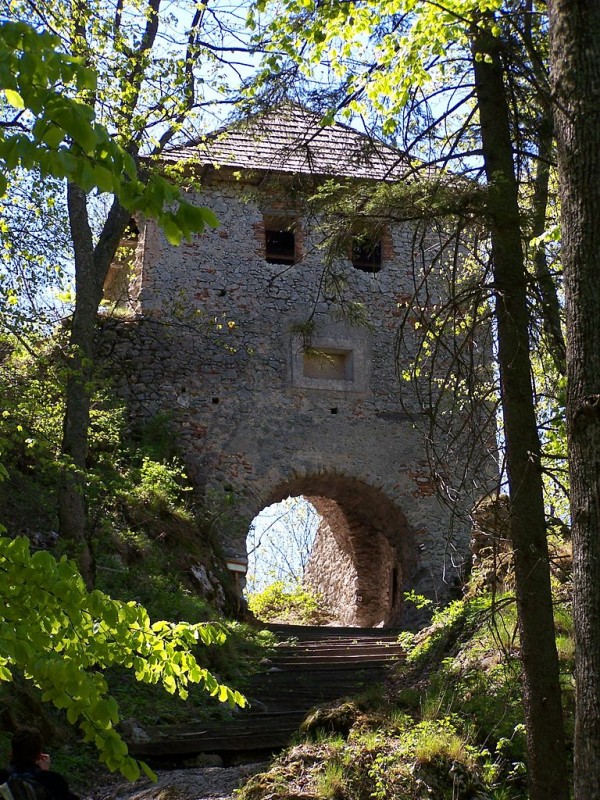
26 746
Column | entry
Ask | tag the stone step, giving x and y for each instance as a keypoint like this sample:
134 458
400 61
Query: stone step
344 668
338 647
318 633
352 660
311 666
253 732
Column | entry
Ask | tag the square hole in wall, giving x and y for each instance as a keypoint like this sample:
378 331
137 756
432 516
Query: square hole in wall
280 239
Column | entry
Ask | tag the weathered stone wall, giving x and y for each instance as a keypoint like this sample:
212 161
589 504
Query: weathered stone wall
355 568
216 342
331 569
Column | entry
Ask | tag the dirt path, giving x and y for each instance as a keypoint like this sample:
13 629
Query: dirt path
207 783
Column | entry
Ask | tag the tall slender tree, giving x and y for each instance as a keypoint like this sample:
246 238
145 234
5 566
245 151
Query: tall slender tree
575 66
543 710
152 66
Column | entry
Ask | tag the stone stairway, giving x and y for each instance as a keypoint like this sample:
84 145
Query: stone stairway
311 665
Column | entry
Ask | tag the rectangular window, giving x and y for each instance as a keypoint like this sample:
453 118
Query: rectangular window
280 239
366 254
335 365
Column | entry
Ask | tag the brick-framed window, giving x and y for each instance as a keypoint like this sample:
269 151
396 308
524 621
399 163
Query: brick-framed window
371 249
280 238
366 253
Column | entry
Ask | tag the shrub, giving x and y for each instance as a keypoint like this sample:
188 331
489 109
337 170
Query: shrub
289 603
161 486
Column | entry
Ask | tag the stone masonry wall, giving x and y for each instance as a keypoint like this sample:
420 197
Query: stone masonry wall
332 572
352 569
216 341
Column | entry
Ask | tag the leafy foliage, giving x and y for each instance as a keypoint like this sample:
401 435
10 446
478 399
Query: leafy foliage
67 641
58 634
287 602
65 141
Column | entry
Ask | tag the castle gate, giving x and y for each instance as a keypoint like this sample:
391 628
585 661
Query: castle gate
274 384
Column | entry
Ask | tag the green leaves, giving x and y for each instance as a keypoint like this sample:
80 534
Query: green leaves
381 50
14 98
59 635
63 139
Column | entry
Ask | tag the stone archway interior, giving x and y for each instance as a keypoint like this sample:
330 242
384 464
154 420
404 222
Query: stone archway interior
363 553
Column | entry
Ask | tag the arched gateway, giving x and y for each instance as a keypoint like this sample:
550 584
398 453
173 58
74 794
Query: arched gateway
364 551
242 337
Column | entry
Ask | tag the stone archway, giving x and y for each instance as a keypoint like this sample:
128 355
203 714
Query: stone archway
364 551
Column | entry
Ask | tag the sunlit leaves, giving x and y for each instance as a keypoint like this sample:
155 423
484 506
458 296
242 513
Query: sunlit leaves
14 98
59 635
63 140
382 51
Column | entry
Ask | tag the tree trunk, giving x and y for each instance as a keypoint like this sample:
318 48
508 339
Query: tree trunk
575 65
546 286
91 266
541 690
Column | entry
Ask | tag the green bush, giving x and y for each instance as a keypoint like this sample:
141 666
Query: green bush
289 603
161 486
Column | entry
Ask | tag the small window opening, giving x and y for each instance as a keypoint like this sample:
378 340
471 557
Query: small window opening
334 410
366 254
215 401
280 240
334 365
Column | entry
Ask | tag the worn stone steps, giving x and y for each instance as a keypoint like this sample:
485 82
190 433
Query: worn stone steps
304 633
345 658
311 666
258 732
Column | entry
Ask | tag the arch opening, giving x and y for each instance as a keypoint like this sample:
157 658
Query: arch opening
349 542
280 541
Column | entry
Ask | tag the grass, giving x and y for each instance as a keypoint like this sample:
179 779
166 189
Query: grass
331 783
440 744
449 725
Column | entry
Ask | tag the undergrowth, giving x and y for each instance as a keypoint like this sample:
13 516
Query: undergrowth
151 542
289 603
448 724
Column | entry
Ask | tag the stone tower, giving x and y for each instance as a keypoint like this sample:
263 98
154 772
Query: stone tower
273 391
